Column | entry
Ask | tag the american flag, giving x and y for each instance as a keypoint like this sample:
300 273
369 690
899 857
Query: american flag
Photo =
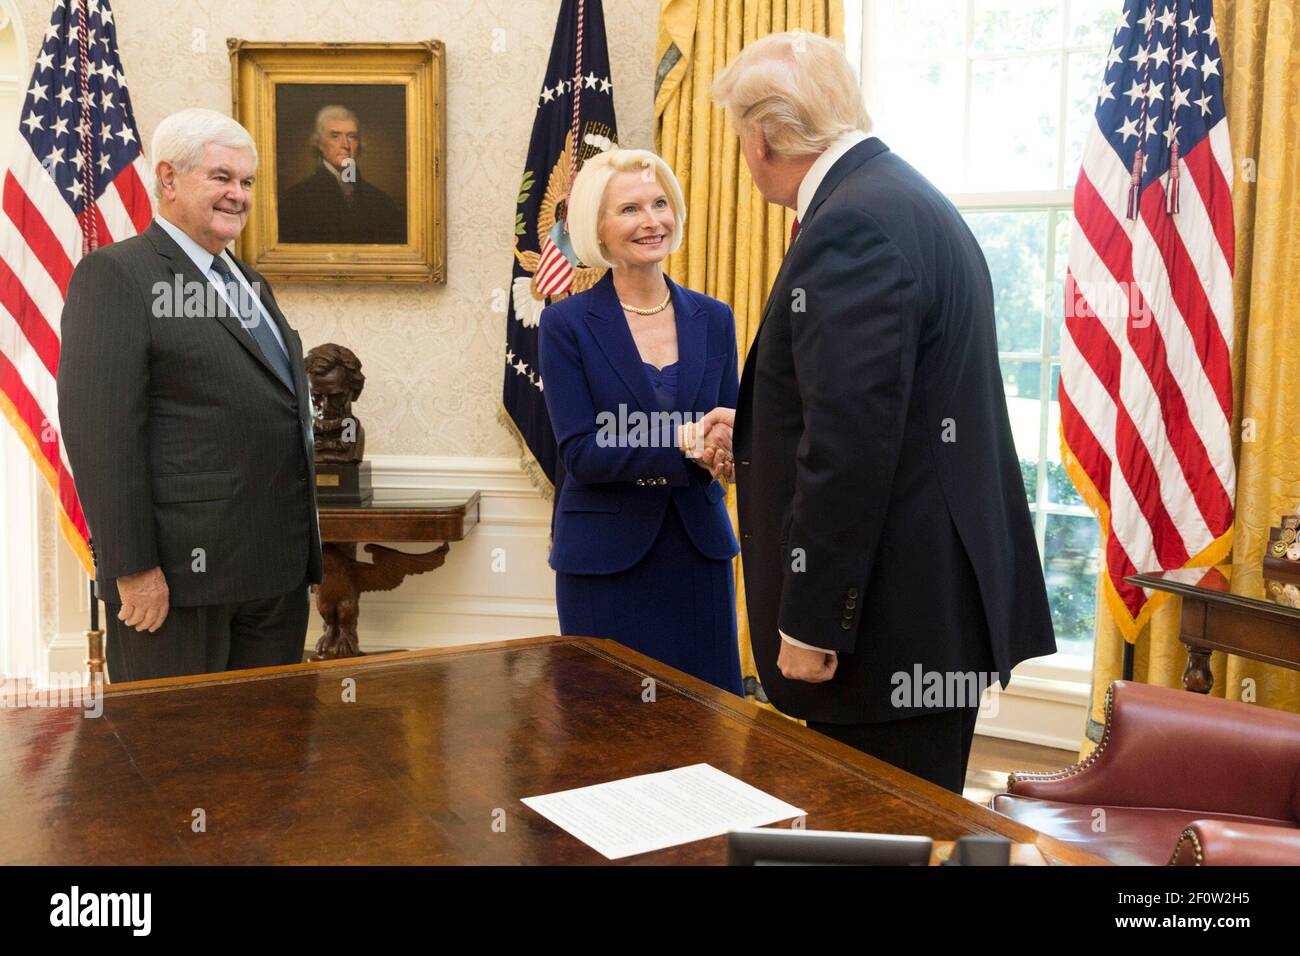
77 139
1146 382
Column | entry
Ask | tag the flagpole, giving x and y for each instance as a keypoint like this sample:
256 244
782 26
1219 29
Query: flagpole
89 243
94 636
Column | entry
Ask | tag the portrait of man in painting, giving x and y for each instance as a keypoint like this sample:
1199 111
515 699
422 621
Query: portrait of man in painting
341 163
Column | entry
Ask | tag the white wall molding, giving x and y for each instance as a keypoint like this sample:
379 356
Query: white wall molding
1035 710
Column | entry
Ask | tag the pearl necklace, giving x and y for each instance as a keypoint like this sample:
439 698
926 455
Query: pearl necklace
654 310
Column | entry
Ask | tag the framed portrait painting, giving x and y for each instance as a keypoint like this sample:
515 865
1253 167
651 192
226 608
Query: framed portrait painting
351 146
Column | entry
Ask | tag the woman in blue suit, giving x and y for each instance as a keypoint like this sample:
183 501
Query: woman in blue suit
642 541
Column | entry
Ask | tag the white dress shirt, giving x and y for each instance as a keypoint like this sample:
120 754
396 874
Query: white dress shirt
203 259
807 190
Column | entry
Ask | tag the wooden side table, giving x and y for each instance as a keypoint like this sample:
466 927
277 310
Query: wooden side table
1216 618
393 514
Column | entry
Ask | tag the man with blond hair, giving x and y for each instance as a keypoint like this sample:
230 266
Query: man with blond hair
187 419
888 550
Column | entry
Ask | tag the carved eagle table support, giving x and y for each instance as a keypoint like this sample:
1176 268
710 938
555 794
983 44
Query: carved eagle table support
338 597
352 512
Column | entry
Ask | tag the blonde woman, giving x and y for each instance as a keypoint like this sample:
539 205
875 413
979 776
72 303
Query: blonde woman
642 542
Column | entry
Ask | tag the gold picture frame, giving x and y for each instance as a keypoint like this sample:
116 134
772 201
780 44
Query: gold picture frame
389 99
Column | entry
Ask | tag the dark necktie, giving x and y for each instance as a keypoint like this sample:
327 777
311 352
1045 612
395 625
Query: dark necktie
251 318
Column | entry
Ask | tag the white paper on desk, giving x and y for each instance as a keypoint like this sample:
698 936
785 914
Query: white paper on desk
657 810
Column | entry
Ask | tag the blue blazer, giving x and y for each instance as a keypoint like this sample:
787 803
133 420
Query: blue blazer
612 501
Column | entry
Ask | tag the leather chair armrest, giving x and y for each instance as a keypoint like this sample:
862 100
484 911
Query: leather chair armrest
1179 750
1218 843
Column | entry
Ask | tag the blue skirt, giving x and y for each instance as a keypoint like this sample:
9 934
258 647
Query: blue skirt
674 605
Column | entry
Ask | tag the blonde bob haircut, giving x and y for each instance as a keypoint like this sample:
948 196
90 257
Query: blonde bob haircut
587 200
797 89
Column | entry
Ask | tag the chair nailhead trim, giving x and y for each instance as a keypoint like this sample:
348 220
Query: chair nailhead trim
1029 776
1189 836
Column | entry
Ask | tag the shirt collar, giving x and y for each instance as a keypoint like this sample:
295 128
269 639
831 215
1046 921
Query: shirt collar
817 172
337 173
198 255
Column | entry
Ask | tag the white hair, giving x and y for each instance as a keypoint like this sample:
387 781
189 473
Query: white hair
797 89
332 112
587 199
181 137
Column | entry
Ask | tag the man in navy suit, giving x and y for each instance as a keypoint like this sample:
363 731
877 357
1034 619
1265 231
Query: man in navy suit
891 569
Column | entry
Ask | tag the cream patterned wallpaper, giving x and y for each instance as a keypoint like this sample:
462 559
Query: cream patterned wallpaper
433 355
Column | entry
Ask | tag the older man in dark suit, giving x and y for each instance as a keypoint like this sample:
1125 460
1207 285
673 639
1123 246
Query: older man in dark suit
187 418
891 569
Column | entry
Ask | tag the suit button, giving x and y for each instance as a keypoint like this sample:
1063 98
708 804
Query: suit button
663 481
746 537
846 625
850 604
745 461
853 592
641 482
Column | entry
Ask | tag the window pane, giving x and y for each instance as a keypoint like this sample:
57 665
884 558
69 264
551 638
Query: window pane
903 26
1015 246
1085 73
1060 489
1092 22
1016 25
918 109
1024 409
1013 123
1070 568
1024 380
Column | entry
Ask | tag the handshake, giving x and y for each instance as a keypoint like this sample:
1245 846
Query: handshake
708 442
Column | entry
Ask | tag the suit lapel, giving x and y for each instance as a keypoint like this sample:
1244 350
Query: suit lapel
692 341
609 327
182 265
289 336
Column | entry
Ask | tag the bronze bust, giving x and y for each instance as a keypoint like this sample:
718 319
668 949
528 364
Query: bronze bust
334 375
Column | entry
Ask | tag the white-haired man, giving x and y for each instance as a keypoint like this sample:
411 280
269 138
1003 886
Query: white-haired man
890 563
187 420
335 204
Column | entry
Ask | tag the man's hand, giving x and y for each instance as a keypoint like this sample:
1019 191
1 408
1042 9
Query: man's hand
719 416
798 663
145 599
716 454
712 436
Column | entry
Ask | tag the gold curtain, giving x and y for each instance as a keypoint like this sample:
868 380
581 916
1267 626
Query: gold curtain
734 238
1260 43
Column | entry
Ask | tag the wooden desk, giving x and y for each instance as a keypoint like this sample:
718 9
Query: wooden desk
1217 618
438 747
393 514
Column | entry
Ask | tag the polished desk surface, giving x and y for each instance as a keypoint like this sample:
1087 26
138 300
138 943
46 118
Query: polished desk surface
402 514
1215 585
409 499
437 747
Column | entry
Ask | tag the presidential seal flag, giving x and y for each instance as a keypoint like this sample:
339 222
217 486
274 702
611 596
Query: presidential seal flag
574 120
1146 379
76 181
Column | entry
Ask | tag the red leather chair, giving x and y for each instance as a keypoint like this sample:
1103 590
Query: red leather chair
1178 778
